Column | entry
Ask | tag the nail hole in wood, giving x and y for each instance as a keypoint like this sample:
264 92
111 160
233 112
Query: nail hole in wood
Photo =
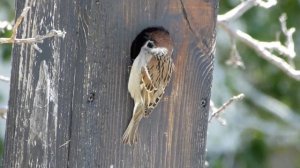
91 97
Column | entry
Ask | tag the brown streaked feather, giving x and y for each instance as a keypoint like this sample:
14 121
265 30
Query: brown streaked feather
146 80
155 78
153 102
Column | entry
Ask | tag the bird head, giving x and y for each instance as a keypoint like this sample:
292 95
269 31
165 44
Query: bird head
151 39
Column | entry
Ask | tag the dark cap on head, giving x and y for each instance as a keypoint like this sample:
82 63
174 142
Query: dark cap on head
159 35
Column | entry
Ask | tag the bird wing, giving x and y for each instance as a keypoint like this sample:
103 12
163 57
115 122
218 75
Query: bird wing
155 77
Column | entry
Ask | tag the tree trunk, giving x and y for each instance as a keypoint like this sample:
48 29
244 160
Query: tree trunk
69 105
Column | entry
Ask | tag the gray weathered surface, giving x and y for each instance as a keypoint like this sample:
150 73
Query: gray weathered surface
51 123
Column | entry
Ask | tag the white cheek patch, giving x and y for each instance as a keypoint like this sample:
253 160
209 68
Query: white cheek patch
160 51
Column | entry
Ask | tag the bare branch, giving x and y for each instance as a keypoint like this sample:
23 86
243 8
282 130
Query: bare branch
243 7
262 50
18 22
266 4
4 79
217 111
33 40
219 119
289 36
40 38
15 28
235 59
277 46
36 39
237 12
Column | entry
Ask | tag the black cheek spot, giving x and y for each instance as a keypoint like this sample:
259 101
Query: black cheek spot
150 45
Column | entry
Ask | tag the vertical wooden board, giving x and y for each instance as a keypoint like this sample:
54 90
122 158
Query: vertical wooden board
97 133
174 135
70 54
42 88
178 126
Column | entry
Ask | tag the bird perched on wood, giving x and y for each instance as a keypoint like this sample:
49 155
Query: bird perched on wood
150 73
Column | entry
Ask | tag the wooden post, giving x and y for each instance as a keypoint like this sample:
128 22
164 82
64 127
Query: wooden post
69 105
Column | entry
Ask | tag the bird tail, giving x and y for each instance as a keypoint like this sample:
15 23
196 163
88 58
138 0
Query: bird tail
129 136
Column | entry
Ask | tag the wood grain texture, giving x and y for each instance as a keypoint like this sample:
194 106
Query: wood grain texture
69 105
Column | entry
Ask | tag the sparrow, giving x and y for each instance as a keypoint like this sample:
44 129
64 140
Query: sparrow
150 73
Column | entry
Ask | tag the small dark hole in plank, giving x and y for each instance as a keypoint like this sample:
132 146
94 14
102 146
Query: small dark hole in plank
91 97
203 103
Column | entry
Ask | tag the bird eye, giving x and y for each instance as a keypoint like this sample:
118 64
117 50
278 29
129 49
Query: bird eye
150 44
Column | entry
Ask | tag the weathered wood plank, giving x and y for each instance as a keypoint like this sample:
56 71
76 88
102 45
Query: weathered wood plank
69 105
